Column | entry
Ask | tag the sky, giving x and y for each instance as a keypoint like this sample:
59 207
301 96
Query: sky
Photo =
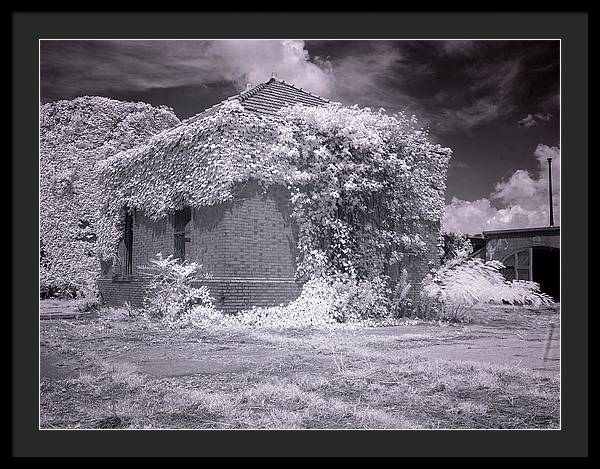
494 103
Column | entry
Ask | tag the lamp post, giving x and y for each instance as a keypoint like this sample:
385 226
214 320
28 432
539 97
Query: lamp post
550 191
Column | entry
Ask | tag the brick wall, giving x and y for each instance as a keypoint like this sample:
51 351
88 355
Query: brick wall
252 236
248 245
230 294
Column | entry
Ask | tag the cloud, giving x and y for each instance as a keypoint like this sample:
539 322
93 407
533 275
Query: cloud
523 200
466 48
97 66
371 76
451 86
483 95
254 61
531 120
467 118
401 76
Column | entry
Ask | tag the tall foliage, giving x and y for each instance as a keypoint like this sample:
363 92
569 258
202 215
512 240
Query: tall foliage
172 288
74 136
366 186
475 281
457 248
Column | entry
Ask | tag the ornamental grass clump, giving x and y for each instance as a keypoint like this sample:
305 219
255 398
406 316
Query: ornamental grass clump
475 281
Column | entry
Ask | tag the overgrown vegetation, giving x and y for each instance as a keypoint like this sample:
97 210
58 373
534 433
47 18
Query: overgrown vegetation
74 136
142 375
473 281
323 303
173 289
457 248
176 297
366 187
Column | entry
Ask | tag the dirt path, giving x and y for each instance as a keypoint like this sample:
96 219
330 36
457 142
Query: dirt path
537 349
527 346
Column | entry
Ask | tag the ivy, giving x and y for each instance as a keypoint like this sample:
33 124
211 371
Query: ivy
74 136
366 187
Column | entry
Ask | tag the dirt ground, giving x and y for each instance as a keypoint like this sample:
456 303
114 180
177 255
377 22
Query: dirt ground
501 371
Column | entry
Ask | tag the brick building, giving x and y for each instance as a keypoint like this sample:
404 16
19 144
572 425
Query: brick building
248 244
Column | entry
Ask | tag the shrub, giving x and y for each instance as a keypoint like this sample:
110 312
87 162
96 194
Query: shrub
457 248
89 305
323 303
400 303
171 290
355 300
52 288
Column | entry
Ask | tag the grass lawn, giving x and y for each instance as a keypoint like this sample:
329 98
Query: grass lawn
109 371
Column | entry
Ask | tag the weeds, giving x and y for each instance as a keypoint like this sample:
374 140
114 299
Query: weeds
318 380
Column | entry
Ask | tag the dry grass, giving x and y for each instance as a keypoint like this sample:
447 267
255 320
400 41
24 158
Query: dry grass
295 379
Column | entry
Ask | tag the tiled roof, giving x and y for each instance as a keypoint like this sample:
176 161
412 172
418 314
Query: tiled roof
269 97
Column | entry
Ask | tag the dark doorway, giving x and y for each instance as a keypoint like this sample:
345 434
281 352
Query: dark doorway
546 270
180 220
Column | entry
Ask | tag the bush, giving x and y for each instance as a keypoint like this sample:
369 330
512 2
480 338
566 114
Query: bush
457 248
74 136
89 305
353 300
323 303
400 303
474 281
171 290
50 288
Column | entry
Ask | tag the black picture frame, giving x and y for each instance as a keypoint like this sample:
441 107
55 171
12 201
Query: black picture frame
570 28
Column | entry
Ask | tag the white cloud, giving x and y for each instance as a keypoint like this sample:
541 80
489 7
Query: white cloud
527 121
360 77
523 199
531 120
254 61
145 65
486 99
465 119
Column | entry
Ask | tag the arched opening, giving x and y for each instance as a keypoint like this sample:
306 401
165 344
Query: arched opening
538 263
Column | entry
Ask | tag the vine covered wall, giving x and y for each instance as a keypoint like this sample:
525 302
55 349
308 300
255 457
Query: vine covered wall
74 136
366 188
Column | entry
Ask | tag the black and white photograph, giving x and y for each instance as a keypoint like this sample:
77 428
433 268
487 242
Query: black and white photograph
300 234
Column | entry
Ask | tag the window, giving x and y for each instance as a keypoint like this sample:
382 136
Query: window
180 220
128 241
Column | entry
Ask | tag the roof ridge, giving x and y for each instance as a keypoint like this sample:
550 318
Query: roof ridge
291 85
245 95
251 92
